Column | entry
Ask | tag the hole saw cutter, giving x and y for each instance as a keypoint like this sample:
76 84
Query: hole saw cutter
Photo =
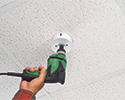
61 43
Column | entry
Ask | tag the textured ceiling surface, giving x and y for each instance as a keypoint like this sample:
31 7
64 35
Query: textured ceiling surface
95 69
5 2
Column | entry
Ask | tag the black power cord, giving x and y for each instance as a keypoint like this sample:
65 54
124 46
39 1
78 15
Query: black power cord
12 74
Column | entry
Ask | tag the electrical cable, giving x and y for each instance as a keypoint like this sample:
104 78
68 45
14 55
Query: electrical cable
3 73
12 74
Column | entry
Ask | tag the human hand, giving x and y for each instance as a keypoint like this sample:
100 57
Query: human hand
36 84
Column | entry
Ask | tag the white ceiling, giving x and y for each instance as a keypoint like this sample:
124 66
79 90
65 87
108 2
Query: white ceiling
95 69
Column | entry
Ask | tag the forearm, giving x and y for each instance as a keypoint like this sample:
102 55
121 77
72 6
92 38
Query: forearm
24 95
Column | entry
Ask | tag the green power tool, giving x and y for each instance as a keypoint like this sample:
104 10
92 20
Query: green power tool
61 43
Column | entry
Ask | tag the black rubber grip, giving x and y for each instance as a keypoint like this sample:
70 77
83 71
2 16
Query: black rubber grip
28 77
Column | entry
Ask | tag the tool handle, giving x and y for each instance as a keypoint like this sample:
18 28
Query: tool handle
28 76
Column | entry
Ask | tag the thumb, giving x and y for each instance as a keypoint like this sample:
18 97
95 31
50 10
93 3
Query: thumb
42 75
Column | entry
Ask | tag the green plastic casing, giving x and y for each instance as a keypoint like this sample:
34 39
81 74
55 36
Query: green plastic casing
54 62
33 73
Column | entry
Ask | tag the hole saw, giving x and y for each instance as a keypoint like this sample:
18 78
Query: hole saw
61 43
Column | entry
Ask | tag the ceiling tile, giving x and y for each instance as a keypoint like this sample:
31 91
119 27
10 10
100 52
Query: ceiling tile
109 89
42 98
121 4
39 94
8 85
5 2
97 29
